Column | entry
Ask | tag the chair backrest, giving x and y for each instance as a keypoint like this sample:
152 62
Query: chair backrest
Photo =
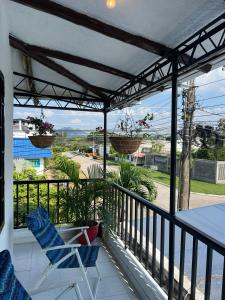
10 287
46 234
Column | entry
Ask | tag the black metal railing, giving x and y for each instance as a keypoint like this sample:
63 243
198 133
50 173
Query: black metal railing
45 193
30 194
199 260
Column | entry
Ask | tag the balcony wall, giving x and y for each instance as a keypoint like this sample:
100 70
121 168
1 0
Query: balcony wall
6 69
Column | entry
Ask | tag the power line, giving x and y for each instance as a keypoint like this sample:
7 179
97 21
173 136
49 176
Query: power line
210 82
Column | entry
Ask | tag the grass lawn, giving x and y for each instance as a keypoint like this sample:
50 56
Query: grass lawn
196 186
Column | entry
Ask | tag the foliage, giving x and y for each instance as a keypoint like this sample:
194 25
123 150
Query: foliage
135 179
97 136
221 126
81 199
210 154
36 194
131 128
157 147
40 126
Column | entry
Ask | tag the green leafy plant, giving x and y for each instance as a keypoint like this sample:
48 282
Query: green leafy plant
130 128
135 180
81 200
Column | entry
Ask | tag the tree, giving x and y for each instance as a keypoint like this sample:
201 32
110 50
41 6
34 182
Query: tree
135 179
205 136
221 126
30 195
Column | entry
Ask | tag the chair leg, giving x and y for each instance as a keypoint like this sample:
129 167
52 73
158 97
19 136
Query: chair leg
84 275
78 293
98 271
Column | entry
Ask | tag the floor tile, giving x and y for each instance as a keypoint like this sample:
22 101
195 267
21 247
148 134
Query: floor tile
30 262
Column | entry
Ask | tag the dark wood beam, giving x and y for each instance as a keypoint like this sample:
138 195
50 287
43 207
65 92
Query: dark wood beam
79 61
111 31
20 45
84 20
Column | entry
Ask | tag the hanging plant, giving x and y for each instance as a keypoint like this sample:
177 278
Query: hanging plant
43 132
128 140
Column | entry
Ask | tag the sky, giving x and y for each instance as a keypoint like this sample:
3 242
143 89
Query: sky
208 110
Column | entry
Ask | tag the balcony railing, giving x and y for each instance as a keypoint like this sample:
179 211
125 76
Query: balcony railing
144 228
198 262
46 193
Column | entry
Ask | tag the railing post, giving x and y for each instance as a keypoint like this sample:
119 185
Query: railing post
173 174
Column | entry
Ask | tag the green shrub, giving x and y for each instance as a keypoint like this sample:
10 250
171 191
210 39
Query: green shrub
210 154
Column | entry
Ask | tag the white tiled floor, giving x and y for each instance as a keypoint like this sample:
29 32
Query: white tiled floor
29 263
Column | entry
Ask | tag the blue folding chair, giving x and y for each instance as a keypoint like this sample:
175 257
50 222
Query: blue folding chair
10 287
63 255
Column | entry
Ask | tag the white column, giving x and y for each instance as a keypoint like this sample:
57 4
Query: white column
6 235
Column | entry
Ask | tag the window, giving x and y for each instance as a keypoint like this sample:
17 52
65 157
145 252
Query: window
2 148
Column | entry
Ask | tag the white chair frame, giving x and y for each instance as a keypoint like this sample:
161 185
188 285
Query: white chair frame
51 267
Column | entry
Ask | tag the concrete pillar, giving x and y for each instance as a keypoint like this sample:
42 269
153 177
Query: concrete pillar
6 235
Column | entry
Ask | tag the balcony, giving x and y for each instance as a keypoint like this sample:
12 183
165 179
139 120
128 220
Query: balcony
84 57
30 263
139 243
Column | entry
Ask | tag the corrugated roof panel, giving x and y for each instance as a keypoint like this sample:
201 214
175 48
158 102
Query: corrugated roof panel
22 148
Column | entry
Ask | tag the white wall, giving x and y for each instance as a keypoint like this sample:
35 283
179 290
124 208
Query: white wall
6 234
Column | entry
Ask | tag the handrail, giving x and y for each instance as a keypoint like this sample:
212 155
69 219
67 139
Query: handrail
200 235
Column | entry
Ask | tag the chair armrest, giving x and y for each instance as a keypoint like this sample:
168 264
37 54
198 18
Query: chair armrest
61 247
74 228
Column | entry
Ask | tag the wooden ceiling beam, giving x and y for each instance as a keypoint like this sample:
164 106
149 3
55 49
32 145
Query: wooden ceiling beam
84 20
111 31
79 61
20 45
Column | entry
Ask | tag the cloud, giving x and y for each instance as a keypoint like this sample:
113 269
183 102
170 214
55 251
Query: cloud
48 113
75 121
214 79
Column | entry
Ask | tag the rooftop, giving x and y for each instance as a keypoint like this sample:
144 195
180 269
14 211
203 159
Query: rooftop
22 148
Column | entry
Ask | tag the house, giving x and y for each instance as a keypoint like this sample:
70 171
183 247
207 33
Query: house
99 57
25 155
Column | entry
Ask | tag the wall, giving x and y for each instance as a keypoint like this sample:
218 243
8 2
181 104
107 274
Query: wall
21 163
5 66
202 169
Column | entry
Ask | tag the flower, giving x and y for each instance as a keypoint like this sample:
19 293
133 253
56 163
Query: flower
41 127
130 128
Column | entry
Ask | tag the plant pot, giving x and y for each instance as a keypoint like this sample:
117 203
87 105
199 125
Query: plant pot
124 144
42 141
92 231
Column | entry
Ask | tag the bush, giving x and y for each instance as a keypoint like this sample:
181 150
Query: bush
210 154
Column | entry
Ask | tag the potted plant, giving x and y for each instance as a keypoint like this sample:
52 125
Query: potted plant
81 200
43 132
130 138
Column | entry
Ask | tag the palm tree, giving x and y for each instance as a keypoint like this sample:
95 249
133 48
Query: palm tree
134 179
78 199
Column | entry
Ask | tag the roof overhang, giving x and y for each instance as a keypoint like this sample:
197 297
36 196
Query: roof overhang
80 56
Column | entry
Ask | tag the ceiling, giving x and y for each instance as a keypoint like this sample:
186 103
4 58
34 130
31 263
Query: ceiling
165 23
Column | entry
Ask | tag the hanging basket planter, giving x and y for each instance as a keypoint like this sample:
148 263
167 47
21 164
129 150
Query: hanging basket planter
124 144
42 141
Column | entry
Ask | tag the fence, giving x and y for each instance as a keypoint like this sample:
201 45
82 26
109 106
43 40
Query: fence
202 169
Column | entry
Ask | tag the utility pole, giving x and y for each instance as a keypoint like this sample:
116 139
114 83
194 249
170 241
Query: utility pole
185 159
